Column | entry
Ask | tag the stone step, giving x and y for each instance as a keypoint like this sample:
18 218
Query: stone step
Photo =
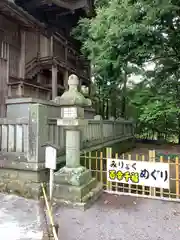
73 193
86 201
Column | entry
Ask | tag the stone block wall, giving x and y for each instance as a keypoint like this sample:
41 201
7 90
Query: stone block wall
22 169
22 182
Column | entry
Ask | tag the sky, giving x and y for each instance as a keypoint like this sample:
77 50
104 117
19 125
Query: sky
138 78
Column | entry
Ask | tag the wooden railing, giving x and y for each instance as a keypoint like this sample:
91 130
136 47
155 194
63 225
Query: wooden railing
72 64
36 63
23 88
30 64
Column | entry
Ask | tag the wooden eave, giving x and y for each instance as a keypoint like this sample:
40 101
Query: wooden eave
57 15
66 4
73 5
11 10
70 4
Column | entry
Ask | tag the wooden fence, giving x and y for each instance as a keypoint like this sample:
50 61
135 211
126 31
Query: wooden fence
97 163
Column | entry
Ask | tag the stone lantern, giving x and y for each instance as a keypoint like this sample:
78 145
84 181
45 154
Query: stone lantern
73 183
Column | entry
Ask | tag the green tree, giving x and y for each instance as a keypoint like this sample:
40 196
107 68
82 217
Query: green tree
128 33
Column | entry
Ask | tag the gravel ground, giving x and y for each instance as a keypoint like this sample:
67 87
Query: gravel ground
110 218
19 218
122 218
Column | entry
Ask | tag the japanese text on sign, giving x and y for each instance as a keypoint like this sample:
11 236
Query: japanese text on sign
150 174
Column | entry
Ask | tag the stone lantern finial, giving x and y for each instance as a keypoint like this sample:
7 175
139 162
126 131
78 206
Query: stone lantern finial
73 97
73 82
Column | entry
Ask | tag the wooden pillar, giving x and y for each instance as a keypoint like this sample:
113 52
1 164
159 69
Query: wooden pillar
39 78
39 45
22 54
5 55
66 51
66 75
20 90
54 81
51 46
90 79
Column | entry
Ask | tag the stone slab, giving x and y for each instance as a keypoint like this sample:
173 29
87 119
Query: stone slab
10 161
22 183
75 177
30 100
86 202
73 193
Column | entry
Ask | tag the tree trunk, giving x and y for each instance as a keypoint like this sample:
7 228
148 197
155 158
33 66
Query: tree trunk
103 108
179 129
123 106
107 108
113 102
99 102
178 104
113 107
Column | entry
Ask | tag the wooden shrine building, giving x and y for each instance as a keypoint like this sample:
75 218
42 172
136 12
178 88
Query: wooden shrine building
37 53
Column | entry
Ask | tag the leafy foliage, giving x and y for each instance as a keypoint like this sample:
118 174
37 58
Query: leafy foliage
119 40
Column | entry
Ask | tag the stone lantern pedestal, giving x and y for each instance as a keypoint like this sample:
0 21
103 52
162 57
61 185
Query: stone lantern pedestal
74 184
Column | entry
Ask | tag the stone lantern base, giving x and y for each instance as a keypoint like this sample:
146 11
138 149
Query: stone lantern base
75 187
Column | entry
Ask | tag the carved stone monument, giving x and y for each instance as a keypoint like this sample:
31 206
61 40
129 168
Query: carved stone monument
74 184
